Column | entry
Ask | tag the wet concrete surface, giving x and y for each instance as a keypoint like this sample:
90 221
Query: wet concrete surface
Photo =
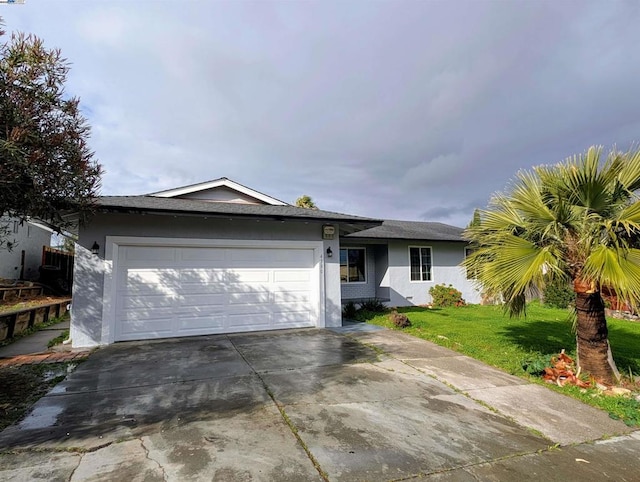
295 405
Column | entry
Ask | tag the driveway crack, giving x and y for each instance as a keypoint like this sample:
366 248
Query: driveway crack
285 417
75 468
148 456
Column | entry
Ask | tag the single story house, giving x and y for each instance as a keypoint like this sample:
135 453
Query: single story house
219 257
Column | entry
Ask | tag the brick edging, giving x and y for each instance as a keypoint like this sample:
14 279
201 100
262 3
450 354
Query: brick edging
38 358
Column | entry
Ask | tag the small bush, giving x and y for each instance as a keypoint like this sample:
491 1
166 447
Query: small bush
559 294
374 305
443 296
399 319
349 310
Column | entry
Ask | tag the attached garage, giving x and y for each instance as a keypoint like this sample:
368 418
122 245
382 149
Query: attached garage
209 258
170 290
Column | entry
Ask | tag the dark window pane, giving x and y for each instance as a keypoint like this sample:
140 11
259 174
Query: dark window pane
414 256
343 266
426 264
352 265
356 265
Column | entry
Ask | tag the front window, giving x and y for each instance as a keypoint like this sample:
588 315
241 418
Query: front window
352 265
420 258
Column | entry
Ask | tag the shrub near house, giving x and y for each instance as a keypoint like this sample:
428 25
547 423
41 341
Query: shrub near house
443 295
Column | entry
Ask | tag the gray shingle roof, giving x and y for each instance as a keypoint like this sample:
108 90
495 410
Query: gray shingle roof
412 230
159 204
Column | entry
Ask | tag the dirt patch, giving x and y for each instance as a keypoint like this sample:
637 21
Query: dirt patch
22 386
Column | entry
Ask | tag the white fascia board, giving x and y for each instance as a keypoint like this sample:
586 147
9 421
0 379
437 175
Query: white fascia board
181 191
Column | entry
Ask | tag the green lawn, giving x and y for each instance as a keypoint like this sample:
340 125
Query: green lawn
485 333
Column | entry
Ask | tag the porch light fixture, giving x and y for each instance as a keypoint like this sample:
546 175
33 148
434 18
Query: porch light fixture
329 252
95 249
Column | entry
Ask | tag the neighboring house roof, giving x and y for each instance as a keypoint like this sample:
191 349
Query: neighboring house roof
412 230
222 182
204 208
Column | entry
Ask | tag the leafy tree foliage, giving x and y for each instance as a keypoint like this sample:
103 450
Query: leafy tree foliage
46 166
577 221
558 293
305 201
475 221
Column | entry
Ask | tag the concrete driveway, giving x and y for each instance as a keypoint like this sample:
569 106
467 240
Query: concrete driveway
349 404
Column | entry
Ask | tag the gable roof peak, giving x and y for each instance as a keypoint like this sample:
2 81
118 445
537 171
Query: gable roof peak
217 183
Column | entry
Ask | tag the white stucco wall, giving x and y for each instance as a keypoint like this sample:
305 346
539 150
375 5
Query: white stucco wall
89 275
446 259
27 238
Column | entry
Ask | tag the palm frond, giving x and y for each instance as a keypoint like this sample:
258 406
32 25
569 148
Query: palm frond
617 269
629 175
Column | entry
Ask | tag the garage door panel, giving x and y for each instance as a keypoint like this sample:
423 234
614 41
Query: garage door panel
210 289
248 309
154 325
249 320
202 254
165 291
294 316
147 313
203 275
132 301
204 300
205 324
247 276
249 256
281 297
135 254
149 281
299 258
283 276
253 298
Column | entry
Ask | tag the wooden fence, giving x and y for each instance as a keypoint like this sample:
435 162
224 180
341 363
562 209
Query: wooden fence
62 260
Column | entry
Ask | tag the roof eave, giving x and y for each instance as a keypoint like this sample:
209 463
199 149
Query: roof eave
405 238
360 223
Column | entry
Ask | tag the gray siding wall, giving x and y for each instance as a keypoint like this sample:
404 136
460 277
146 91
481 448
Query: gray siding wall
87 309
29 239
366 289
446 259
381 255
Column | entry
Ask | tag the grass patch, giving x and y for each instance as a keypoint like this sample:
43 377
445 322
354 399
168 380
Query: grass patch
34 329
517 345
58 339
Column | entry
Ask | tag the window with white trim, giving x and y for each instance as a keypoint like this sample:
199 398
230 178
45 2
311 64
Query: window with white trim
352 265
420 261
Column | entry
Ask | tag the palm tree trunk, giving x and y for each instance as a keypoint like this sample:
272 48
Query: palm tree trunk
594 352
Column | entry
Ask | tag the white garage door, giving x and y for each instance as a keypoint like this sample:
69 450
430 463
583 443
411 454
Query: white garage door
165 291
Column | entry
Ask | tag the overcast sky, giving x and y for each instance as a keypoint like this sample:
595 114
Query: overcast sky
413 110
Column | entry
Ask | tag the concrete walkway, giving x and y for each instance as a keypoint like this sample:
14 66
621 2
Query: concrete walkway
351 404
563 420
34 343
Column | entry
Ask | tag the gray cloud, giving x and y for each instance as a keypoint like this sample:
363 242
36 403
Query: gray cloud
407 110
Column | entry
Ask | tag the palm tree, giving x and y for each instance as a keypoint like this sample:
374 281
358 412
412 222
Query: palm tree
577 221
306 202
